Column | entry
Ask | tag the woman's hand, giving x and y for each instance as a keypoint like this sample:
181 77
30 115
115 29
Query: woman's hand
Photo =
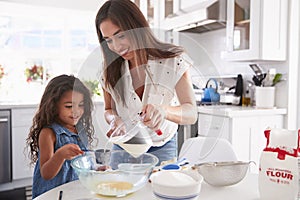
153 116
117 127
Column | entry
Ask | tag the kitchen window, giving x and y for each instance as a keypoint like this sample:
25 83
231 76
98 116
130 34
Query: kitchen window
33 35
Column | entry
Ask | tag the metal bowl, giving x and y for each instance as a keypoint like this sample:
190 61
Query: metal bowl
223 173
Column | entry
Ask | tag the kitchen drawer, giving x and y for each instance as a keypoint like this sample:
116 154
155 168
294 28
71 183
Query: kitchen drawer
213 126
20 162
22 116
21 123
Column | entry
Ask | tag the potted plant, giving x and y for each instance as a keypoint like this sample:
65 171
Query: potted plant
94 87
1 72
35 73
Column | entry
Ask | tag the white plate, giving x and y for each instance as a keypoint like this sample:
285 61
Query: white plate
164 197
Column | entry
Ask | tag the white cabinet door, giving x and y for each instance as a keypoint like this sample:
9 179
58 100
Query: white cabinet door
256 30
213 126
248 138
21 122
246 134
192 5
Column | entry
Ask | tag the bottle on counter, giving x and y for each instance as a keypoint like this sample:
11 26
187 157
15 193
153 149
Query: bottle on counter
248 95
239 89
246 99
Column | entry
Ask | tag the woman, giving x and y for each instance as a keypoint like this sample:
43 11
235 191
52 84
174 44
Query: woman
142 75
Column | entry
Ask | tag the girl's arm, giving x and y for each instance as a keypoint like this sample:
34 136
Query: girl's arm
50 162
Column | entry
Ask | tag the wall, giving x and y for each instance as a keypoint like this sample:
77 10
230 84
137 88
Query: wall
205 50
294 65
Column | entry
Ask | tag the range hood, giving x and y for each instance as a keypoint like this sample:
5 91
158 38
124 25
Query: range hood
203 19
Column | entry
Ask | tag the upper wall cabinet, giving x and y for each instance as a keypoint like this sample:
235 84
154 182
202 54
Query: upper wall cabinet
155 10
256 30
185 6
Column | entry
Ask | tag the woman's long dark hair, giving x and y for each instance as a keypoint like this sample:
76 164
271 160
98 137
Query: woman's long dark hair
47 112
126 15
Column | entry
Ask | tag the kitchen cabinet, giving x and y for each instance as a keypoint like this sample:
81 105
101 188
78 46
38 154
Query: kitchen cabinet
188 5
243 127
151 10
248 138
155 11
5 146
213 126
21 123
256 30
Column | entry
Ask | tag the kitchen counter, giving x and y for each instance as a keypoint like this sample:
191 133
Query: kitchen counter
239 111
243 127
22 104
219 110
13 104
247 189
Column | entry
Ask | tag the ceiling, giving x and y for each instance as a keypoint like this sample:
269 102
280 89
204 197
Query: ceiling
88 5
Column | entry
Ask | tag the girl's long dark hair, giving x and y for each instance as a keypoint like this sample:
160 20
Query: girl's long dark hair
126 15
47 112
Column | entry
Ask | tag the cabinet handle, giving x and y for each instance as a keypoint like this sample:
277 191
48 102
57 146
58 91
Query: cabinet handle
3 120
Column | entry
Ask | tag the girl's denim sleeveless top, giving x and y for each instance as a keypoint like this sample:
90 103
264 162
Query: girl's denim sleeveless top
66 173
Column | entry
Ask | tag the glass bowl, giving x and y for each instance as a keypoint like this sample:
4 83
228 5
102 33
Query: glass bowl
113 173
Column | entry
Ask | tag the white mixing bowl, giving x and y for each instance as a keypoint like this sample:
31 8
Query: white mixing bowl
176 185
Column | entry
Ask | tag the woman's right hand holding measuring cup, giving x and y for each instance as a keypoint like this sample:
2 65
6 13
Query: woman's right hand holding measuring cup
153 117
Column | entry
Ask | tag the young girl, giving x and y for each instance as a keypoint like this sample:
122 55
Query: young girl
62 129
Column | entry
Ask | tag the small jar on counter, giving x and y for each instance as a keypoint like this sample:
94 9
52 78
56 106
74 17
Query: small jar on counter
246 99
248 95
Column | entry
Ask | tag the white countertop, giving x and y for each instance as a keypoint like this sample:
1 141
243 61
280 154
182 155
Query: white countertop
14 105
219 110
247 189
22 104
239 111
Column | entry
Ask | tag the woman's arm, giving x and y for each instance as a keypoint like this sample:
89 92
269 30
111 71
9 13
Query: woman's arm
109 107
110 113
50 161
186 112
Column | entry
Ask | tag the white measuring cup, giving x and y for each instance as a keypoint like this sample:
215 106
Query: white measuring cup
133 136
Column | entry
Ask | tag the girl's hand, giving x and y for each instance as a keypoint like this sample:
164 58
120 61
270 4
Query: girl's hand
153 116
117 127
69 151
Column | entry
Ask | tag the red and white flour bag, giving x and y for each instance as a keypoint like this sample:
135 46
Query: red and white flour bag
278 168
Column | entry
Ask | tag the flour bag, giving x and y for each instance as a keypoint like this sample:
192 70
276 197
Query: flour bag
278 167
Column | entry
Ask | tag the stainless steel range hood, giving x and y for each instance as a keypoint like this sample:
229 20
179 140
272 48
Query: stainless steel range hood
210 17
